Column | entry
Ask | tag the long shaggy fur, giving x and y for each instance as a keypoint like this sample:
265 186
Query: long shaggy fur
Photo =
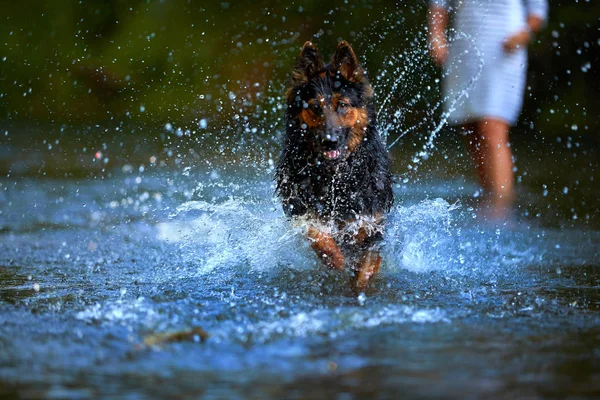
359 185
333 167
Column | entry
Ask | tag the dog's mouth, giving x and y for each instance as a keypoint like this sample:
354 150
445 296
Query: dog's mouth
332 154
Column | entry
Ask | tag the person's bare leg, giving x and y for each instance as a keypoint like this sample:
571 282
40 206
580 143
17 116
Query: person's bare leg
473 142
496 166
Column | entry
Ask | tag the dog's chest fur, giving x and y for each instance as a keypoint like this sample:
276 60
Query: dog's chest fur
330 108
360 185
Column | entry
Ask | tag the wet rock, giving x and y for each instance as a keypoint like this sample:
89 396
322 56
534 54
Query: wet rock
195 334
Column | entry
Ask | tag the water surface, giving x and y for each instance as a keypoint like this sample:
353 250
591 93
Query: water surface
98 259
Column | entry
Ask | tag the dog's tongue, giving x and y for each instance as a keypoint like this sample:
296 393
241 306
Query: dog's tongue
331 154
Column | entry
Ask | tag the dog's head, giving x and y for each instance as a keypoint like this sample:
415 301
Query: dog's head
329 106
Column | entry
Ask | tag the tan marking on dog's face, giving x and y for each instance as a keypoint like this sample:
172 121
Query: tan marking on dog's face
340 113
357 133
351 117
313 115
336 99
308 117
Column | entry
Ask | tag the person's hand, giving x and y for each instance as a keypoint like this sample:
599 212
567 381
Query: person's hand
516 41
438 48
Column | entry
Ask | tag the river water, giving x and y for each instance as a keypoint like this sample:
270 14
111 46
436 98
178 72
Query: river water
106 267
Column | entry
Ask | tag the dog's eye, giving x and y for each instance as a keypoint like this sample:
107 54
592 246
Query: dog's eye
343 106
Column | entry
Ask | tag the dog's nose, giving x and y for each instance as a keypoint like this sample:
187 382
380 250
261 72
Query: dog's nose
331 138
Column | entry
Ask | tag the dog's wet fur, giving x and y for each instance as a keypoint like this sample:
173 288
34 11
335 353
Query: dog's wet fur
334 170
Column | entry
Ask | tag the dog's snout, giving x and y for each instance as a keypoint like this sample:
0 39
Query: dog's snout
330 141
331 138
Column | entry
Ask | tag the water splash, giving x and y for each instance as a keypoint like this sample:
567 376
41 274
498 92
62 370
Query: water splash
418 237
390 81
236 233
253 235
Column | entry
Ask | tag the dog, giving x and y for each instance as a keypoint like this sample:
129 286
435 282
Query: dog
333 173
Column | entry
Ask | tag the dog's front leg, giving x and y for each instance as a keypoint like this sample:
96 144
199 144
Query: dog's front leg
326 248
369 259
367 267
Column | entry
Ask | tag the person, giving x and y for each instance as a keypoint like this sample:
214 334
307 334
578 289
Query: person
484 62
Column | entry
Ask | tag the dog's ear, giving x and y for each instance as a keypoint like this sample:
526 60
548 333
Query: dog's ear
308 63
346 62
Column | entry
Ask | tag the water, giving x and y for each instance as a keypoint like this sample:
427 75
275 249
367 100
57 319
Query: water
92 268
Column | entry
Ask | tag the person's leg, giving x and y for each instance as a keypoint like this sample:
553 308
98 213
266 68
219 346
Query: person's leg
494 163
473 143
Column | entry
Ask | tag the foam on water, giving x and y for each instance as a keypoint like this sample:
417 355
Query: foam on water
123 311
337 321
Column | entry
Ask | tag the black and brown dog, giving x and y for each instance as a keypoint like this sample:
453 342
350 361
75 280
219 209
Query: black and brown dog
334 170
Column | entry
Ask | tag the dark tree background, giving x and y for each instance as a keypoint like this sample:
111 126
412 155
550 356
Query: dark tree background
142 61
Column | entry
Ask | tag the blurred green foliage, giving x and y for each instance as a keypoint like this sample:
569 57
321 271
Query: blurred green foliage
142 61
